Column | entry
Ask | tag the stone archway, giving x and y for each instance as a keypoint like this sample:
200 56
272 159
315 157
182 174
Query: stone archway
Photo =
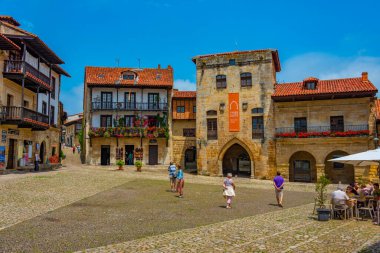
336 172
235 157
302 167
190 160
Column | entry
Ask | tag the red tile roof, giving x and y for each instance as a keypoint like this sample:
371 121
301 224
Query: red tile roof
377 104
347 86
145 77
184 94
7 44
9 19
275 56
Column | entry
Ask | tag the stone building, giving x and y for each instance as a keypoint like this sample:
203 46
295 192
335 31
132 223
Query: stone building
72 127
183 129
126 114
234 123
30 80
318 120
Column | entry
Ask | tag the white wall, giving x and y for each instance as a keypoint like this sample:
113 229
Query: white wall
42 97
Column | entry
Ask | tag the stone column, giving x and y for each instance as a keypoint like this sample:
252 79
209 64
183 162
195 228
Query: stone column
284 170
320 167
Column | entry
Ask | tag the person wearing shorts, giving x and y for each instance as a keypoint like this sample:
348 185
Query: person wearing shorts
172 176
278 183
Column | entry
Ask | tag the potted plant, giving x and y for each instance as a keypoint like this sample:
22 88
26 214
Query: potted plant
120 163
138 165
321 190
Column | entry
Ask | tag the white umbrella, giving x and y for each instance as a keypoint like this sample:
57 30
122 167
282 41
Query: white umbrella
370 157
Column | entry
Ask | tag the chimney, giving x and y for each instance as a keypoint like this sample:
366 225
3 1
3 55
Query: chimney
159 66
170 67
365 76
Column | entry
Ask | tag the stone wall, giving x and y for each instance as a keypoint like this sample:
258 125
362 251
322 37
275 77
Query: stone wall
261 151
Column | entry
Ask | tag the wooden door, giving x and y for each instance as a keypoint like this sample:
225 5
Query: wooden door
153 154
105 155
11 154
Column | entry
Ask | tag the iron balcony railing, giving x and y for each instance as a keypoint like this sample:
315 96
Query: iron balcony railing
15 113
18 66
122 106
322 131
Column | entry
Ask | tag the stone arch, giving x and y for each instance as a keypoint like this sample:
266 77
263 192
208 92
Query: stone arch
238 148
302 167
336 172
190 158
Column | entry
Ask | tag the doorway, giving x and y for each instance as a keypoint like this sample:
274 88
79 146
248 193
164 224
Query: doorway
105 155
237 161
11 154
129 154
153 154
42 152
190 159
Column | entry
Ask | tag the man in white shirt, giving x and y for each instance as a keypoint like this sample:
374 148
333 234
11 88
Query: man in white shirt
339 197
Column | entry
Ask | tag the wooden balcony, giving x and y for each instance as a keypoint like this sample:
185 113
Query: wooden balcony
323 131
23 118
121 106
35 80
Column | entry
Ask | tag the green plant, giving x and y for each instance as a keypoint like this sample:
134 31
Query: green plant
120 162
81 139
362 181
106 134
138 163
321 190
62 155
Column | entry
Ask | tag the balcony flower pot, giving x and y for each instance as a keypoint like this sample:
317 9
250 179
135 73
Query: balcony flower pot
321 198
323 214
138 165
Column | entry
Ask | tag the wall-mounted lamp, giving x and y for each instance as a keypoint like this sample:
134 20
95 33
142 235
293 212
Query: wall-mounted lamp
245 106
222 107
376 142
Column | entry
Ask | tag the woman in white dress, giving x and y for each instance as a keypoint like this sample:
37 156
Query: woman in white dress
229 189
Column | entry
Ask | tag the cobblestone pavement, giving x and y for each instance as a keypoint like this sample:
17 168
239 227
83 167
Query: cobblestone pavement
289 230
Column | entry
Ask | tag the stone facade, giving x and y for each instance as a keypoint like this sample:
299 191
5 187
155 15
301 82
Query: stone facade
260 149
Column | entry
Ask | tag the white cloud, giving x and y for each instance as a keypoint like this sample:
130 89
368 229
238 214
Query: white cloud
72 99
326 66
184 84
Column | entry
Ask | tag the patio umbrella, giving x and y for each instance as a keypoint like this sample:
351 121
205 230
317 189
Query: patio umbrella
370 157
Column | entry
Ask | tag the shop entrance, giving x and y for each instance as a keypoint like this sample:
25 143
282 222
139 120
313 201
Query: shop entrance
105 155
11 154
129 154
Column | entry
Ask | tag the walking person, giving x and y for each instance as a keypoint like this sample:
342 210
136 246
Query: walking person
36 162
180 182
278 183
73 149
228 189
172 175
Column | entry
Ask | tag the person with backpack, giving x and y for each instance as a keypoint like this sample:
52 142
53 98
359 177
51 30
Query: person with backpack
172 176
180 182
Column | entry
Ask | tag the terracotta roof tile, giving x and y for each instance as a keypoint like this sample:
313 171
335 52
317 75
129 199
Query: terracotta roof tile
7 44
9 19
145 77
325 87
184 94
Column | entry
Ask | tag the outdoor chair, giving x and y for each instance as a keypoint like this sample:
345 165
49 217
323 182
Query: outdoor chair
339 209
369 207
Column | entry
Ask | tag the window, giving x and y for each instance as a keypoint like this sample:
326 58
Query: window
189 132
302 171
52 113
300 125
44 108
129 120
130 100
105 120
53 87
257 127
336 124
9 100
26 104
337 165
232 62
258 110
194 109
212 129
310 85
128 76
180 109
153 100
246 79
221 81
106 100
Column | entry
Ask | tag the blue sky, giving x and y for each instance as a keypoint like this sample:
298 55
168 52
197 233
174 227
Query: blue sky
326 39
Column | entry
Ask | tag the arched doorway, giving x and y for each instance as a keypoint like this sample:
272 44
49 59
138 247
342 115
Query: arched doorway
339 171
237 161
302 167
42 152
190 159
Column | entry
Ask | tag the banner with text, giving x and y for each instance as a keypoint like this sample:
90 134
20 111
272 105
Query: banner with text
233 112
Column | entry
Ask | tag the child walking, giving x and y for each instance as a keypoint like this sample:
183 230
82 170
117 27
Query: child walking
229 189
172 176
180 182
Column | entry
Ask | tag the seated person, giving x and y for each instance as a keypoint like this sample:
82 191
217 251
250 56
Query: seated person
339 198
350 191
376 192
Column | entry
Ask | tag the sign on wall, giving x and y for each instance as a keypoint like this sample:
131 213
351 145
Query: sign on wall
4 136
2 157
233 112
